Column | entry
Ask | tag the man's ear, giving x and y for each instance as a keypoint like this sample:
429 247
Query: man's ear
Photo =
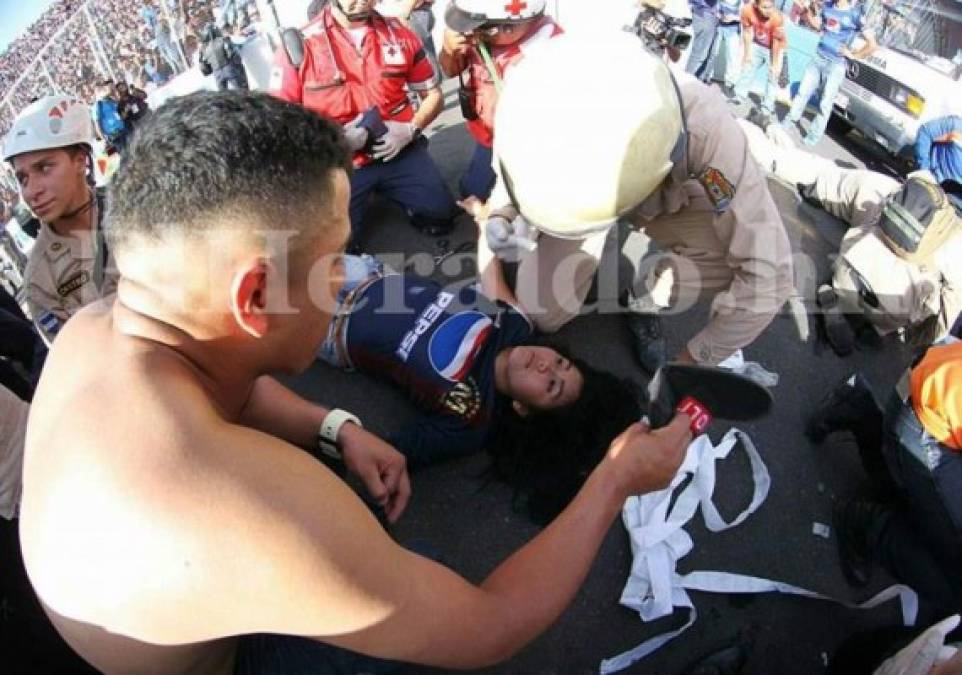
248 298
520 408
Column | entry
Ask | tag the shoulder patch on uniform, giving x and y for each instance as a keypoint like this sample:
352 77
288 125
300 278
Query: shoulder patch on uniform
719 189
56 246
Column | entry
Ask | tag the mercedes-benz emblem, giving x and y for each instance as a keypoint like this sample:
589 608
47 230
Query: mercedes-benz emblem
852 69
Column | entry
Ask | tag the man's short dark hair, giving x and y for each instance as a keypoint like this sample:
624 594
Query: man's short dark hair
265 163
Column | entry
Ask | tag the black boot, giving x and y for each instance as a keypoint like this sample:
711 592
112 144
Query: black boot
853 521
851 406
647 340
838 332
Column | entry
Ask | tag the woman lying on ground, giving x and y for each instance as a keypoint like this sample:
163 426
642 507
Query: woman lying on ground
468 360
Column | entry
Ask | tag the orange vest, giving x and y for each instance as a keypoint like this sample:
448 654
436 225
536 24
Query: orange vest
936 387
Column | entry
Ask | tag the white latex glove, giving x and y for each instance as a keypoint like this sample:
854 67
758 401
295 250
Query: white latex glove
923 174
398 135
508 239
356 136
923 653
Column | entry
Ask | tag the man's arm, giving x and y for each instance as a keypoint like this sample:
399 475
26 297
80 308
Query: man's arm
867 47
746 35
924 138
313 561
759 253
454 52
491 275
45 309
276 410
432 101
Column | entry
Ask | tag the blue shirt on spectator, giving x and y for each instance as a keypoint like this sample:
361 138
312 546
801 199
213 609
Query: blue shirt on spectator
938 148
729 11
149 15
107 118
839 28
702 6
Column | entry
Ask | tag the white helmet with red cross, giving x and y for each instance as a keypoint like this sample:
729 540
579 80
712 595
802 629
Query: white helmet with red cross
48 123
466 16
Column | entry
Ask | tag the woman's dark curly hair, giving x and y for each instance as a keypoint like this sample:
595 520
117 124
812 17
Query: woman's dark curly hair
547 455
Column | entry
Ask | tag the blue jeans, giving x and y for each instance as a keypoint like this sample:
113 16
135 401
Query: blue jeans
921 542
701 57
827 74
761 58
357 269
729 43
412 180
478 181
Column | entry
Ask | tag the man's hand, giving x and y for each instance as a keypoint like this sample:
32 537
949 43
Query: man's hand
381 468
508 238
457 44
644 461
355 134
398 135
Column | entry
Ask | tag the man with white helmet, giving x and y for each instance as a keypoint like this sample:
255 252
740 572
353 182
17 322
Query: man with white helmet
483 40
669 158
49 148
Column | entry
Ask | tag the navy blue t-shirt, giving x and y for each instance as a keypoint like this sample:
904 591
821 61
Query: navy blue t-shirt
438 345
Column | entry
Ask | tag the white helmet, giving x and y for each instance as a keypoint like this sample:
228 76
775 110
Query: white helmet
585 130
465 16
47 123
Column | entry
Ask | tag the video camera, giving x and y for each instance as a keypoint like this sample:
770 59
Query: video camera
659 30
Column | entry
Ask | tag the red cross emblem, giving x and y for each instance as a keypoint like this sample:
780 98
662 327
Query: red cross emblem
515 7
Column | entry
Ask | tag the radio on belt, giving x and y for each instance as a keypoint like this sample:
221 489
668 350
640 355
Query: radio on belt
704 393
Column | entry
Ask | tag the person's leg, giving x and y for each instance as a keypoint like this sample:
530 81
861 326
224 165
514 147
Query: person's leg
771 86
222 77
479 178
363 182
855 196
730 39
415 183
834 75
744 84
703 37
809 83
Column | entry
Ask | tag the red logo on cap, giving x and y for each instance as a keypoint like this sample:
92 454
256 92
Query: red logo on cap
515 7
700 417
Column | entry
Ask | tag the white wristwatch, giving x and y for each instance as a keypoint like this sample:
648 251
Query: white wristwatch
330 427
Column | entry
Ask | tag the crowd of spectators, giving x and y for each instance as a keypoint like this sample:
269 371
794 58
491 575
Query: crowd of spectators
141 42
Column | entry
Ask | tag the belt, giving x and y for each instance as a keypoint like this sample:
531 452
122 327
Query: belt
343 317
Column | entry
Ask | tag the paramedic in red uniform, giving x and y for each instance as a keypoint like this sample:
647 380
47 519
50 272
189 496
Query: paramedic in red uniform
354 60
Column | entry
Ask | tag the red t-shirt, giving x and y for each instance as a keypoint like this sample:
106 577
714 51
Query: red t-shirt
340 81
765 32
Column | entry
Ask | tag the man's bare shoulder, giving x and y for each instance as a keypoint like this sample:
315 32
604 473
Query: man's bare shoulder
146 511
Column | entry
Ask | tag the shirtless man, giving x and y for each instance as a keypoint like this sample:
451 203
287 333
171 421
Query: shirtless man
168 514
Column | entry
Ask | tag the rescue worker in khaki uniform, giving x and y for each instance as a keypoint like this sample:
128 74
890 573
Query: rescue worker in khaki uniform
49 147
668 158
904 293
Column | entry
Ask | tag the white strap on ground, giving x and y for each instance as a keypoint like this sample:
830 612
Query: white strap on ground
658 541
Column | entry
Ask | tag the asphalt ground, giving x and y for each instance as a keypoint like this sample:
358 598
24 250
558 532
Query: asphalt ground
473 524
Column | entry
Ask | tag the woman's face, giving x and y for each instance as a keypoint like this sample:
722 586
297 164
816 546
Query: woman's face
542 379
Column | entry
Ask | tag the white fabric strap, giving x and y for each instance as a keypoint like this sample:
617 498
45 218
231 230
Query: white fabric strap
658 541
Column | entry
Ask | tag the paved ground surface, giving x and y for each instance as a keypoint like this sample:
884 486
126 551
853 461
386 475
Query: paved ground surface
472 523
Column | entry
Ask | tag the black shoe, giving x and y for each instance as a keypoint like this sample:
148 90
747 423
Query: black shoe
647 340
759 118
847 406
838 332
853 520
